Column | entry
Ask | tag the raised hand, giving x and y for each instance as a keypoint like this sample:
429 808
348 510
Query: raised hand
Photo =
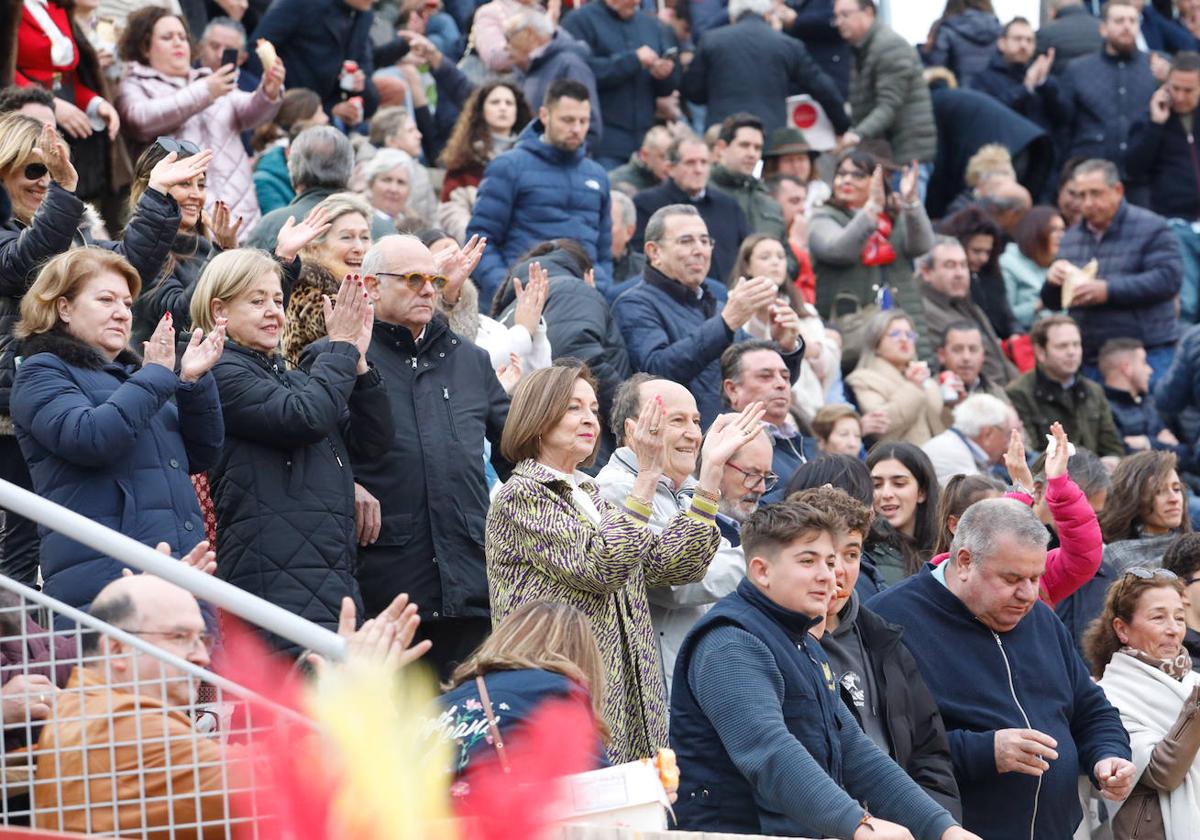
510 374
785 326
222 227
531 299
910 183
201 558
726 436
344 317
457 264
877 195
202 352
1057 464
647 440
272 82
160 349
171 171
747 298
294 236
56 156
222 81
1015 463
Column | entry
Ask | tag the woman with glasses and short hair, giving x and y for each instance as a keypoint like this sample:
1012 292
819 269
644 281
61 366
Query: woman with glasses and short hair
282 485
1137 656
163 94
890 377
863 242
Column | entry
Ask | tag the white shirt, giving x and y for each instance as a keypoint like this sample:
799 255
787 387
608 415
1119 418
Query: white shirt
579 496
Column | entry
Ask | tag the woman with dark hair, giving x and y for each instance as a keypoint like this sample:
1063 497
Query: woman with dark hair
1027 258
850 475
863 242
1146 510
981 239
488 125
301 108
906 501
199 238
963 39
162 94
1137 657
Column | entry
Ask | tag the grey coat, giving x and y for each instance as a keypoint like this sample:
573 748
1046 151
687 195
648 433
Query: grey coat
889 98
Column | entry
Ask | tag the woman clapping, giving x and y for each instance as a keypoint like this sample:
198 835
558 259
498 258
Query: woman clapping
282 487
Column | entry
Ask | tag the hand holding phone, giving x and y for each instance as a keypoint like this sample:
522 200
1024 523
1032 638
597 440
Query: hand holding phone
229 56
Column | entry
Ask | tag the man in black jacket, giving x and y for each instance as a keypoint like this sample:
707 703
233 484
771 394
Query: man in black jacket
1072 33
749 48
688 166
421 506
1163 153
1015 77
879 680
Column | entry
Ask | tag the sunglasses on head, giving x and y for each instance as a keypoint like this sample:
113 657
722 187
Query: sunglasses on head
1142 573
183 148
416 281
35 171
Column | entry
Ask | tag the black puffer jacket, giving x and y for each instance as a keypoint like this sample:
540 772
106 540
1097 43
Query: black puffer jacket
55 229
429 479
283 488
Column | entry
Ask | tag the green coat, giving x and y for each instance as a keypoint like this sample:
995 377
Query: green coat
1082 409
762 211
541 547
889 98
635 173
835 241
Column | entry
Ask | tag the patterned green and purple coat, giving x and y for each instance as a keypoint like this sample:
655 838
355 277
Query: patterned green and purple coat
541 547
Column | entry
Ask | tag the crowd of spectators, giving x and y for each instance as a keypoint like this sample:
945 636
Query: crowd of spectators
559 346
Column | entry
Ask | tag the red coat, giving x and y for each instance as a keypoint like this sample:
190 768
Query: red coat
33 56
1081 545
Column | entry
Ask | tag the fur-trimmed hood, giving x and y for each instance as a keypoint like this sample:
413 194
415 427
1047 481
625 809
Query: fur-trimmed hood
74 352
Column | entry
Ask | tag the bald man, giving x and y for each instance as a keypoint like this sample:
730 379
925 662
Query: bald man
133 711
421 507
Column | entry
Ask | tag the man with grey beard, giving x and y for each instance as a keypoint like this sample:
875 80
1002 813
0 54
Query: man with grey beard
746 478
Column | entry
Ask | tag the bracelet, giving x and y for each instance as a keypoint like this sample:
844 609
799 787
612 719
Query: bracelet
865 821
639 500
710 495
1017 487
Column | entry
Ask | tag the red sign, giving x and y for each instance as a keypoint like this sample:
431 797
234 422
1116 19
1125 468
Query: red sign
804 115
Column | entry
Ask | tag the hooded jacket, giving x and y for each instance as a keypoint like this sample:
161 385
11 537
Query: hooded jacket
282 487
964 44
915 733
537 192
114 441
1029 677
152 104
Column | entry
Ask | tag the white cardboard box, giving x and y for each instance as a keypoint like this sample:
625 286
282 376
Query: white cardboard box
625 796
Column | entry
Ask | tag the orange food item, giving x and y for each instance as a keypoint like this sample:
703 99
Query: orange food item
668 770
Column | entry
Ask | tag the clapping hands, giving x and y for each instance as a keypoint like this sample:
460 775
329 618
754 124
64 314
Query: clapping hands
202 352
351 318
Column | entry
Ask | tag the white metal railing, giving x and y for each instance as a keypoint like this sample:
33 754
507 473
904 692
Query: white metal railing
144 558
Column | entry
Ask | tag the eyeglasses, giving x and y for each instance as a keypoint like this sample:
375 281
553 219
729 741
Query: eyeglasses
692 241
851 173
183 148
35 171
183 639
909 334
750 480
416 280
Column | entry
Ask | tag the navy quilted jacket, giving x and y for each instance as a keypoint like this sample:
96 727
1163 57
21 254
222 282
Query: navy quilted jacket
105 439
1100 98
536 192
1140 259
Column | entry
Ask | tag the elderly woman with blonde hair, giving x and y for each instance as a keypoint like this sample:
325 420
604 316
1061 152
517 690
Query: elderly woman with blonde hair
324 263
550 535
282 486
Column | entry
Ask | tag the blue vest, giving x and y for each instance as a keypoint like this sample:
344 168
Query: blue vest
714 795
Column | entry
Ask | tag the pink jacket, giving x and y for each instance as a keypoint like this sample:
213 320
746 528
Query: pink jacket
488 32
1081 546
152 104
